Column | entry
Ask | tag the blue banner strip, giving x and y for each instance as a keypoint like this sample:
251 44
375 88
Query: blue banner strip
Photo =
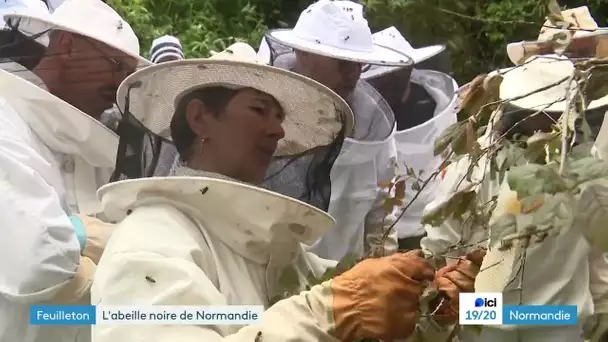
539 315
62 315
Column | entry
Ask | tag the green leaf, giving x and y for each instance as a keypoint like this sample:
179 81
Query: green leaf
535 146
463 204
464 138
587 169
289 281
347 262
581 151
592 214
556 212
531 179
596 85
445 139
452 206
312 280
329 274
500 228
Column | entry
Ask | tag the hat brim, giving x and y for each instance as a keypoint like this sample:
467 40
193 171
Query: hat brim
550 100
418 56
153 91
248 204
516 50
378 56
21 93
30 24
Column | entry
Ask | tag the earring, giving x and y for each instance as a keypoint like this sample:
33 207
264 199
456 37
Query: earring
203 139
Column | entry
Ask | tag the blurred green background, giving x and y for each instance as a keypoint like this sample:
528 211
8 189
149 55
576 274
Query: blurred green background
475 31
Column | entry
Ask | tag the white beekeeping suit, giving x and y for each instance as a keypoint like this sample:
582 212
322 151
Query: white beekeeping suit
53 158
424 105
415 145
364 160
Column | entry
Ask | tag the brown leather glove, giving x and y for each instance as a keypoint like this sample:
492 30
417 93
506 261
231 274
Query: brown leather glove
454 279
379 298
98 234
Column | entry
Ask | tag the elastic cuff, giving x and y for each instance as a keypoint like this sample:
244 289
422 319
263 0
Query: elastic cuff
81 233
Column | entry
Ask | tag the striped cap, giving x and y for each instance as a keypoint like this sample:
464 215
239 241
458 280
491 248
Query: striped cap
166 46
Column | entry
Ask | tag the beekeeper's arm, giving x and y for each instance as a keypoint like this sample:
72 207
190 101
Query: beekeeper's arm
379 233
41 246
39 249
167 264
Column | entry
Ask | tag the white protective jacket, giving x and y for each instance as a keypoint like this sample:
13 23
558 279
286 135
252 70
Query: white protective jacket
415 145
53 157
227 246
356 198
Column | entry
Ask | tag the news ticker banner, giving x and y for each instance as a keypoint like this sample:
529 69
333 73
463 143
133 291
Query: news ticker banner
92 315
487 309
475 309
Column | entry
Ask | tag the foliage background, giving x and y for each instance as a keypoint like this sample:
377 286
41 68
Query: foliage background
475 31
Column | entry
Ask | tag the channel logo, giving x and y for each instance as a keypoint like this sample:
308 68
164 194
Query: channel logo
480 308
485 302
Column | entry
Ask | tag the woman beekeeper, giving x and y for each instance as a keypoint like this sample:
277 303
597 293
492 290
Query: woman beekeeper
424 103
208 237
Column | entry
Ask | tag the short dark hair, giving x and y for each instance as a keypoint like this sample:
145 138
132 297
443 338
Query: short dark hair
215 99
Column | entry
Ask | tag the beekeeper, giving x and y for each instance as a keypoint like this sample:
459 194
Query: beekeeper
330 43
561 270
213 237
54 155
424 103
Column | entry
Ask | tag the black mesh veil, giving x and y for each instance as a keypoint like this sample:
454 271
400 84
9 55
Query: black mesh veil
141 153
15 46
374 122
304 175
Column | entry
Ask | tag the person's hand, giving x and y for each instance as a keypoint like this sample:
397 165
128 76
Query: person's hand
379 298
454 279
97 233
